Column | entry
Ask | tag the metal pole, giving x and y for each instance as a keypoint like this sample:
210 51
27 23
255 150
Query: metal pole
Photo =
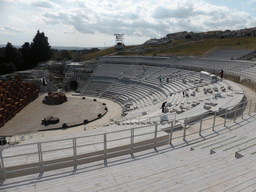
185 127
226 114
170 134
132 140
255 107
2 165
40 157
155 136
75 152
201 123
105 149
243 110
214 119
235 114
250 107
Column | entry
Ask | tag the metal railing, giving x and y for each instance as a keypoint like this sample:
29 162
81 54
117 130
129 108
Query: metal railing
147 120
80 150
56 154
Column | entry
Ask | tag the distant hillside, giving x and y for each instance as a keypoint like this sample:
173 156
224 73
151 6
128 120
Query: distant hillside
188 43
200 47
218 34
192 47
99 54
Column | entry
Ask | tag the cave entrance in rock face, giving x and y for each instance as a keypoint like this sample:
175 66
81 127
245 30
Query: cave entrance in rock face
73 85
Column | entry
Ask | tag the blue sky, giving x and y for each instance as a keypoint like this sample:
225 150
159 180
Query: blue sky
93 23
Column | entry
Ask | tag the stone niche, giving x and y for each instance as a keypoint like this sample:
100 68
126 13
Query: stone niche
55 98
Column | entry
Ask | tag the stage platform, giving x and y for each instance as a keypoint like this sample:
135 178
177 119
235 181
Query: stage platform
73 112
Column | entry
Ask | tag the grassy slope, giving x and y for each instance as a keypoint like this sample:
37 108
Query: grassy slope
103 52
99 53
185 47
200 47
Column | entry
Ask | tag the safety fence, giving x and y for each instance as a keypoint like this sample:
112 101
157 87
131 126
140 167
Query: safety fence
25 159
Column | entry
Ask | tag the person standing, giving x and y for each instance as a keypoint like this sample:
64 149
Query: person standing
221 74
160 78
163 107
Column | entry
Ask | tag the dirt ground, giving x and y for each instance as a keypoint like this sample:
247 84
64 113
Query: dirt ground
72 112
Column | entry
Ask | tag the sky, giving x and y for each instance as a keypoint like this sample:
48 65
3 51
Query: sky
93 23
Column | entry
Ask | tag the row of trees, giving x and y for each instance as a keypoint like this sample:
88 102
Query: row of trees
30 54
61 55
27 56
74 55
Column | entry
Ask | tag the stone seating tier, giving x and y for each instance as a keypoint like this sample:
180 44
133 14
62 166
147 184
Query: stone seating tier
111 70
15 95
145 91
228 54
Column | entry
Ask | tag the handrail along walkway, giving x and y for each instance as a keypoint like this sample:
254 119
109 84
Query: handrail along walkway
108 146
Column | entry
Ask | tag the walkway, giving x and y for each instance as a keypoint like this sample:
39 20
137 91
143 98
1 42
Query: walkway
168 168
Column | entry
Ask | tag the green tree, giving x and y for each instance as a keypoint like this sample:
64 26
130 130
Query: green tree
13 55
26 51
29 60
66 55
5 68
40 47
57 56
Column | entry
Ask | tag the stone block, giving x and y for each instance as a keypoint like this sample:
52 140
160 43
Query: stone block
55 98
215 89
182 107
207 107
144 113
214 104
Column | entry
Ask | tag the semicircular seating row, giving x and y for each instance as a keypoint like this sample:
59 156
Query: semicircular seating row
228 54
138 86
235 67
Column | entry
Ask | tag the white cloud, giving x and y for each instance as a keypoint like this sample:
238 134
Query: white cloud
42 4
13 29
151 18
144 18
19 20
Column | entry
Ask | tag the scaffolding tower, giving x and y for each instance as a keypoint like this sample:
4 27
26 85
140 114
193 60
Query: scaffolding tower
119 41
